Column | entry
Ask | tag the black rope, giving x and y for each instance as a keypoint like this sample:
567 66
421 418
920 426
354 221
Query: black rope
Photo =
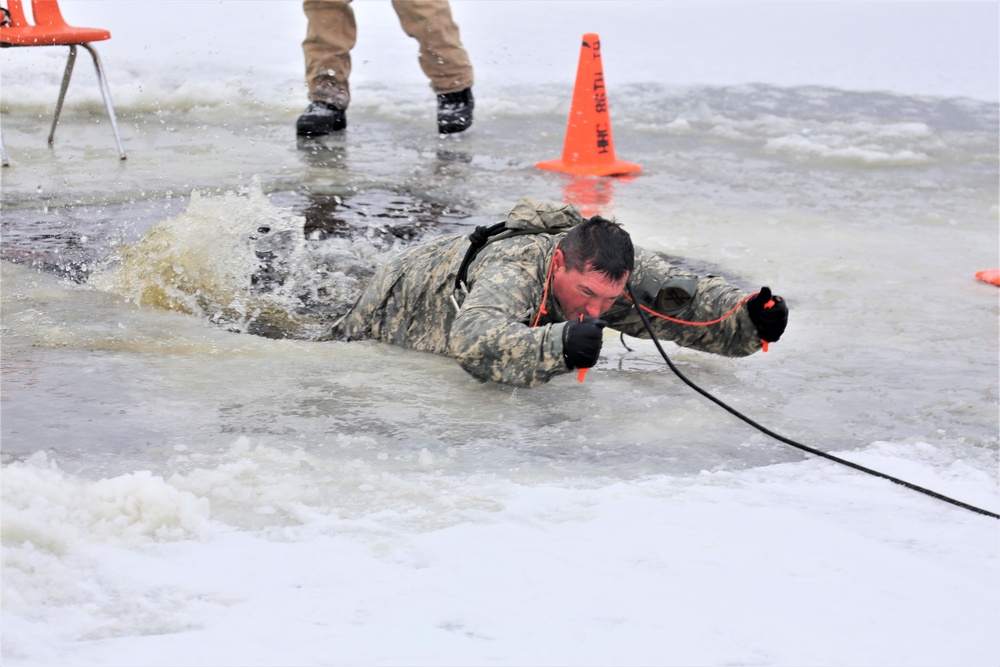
788 441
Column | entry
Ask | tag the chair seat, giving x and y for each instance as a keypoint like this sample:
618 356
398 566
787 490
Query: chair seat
43 35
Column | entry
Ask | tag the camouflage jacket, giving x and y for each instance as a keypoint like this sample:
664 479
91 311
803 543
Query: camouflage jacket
408 303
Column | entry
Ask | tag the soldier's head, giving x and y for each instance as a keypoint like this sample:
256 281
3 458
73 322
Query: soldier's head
591 266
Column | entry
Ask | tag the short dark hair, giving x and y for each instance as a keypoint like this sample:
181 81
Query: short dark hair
601 245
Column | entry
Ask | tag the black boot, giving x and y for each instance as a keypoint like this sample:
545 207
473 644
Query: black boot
320 119
455 111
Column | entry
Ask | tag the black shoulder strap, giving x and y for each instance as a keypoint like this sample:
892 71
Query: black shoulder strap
477 240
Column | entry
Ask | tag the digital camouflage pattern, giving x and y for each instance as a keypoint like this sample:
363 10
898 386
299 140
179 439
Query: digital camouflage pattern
408 303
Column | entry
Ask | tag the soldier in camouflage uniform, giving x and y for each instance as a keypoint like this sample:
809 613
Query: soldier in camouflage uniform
531 311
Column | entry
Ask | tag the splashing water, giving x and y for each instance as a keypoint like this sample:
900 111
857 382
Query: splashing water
244 264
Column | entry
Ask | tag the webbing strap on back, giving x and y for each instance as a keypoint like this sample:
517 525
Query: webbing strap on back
477 239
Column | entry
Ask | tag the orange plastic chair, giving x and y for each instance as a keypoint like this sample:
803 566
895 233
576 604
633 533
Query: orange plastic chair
50 29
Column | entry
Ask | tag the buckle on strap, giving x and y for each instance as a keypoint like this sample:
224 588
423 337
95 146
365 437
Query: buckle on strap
460 286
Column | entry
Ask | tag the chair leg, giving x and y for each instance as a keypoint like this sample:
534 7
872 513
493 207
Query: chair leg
106 92
62 91
3 150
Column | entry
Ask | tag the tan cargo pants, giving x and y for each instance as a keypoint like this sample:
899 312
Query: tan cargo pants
332 33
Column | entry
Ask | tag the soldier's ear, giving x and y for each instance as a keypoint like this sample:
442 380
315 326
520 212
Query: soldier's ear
559 260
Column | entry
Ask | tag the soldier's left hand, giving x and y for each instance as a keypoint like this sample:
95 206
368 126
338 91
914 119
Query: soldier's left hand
770 320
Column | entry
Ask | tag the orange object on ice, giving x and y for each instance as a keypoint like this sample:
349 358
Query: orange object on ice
589 149
990 276
763 343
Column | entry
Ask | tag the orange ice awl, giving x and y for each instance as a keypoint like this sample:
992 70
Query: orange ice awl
763 343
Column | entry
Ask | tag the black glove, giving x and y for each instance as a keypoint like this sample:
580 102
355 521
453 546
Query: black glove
582 340
770 321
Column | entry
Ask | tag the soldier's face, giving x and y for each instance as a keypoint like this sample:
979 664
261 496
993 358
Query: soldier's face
579 293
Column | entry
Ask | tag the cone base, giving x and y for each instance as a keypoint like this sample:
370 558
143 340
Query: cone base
612 168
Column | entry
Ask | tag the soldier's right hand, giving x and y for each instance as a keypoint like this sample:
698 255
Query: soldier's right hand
582 341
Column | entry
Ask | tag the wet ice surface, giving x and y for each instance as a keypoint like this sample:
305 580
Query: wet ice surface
867 211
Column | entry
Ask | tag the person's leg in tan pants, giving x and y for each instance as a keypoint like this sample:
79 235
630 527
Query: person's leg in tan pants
332 33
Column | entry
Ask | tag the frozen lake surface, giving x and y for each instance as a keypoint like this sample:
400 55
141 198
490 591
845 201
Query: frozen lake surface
178 490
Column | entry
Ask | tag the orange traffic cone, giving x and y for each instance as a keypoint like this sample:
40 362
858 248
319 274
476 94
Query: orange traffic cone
589 149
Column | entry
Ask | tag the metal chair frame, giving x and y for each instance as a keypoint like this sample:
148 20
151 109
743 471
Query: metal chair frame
50 29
